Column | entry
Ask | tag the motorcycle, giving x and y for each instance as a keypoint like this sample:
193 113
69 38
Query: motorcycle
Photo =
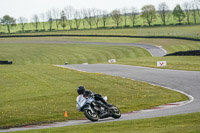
95 110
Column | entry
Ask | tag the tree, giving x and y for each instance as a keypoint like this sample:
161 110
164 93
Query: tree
89 18
8 21
56 16
0 27
105 17
163 11
116 17
96 13
77 19
149 13
35 22
125 15
69 10
43 20
50 19
197 5
133 15
195 9
84 15
178 12
63 19
22 22
187 9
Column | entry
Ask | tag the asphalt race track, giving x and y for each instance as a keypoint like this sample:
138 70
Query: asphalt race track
186 82
153 50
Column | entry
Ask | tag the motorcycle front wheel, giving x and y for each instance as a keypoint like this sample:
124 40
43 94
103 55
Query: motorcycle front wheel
91 116
115 112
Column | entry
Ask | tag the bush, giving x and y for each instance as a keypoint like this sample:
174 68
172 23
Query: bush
137 26
185 53
126 26
157 25
42 30
179 24
171 24
28 31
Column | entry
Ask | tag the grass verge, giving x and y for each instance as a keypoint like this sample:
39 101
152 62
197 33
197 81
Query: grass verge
191 63
32 94
170 45
186 123
72 53
189 31
26 52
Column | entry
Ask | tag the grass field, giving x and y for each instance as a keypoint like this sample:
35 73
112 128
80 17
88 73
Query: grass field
31 94
33 90
186 123
191 31
170 45
60 53
173 62
72 53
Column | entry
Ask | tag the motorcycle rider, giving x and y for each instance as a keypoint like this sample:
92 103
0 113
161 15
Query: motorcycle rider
81 91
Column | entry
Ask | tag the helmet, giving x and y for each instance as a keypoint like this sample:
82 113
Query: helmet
81 90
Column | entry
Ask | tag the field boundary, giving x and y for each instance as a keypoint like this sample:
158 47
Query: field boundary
125 36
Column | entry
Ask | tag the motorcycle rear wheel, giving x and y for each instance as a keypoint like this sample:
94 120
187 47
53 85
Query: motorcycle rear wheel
91 116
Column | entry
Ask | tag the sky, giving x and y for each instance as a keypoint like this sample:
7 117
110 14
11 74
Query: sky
27 8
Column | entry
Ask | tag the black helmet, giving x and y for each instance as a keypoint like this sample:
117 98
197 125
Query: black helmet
81 90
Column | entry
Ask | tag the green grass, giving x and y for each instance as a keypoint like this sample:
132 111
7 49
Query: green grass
34 91
72 53
173 62
186 123
31 94
28 53
191 31
170 45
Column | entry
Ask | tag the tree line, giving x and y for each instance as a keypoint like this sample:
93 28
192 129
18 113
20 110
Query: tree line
74 18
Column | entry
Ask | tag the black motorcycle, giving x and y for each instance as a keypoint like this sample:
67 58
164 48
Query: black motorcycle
95 110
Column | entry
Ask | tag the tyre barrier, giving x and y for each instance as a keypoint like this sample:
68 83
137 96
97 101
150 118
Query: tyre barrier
126 36
5 62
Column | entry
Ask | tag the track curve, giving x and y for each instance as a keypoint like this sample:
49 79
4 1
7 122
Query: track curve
186 82
153 50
